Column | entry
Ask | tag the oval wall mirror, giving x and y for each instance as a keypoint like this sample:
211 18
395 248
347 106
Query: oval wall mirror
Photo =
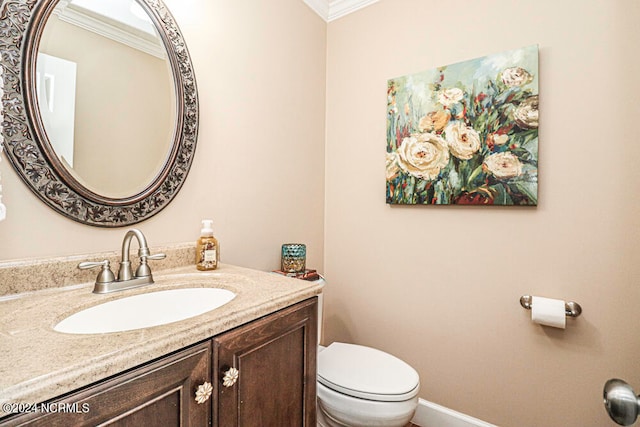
100 105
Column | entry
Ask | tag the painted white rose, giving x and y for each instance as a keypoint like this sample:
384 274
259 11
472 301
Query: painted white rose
503 165
423 155
434 121
392 165
463 141
450 96
526 114
516 76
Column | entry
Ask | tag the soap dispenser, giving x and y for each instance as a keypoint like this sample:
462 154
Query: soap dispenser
207 249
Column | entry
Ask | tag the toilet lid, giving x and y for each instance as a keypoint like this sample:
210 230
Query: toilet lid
366 373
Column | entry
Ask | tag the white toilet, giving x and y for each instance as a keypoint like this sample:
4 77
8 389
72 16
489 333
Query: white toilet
361 386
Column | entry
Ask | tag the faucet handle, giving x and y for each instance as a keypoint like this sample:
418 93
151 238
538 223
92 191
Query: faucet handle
154 256
105 275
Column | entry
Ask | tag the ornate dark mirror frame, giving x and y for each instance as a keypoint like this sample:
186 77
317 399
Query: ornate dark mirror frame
26 143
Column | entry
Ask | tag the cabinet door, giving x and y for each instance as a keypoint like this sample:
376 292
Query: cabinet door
159 394
275 357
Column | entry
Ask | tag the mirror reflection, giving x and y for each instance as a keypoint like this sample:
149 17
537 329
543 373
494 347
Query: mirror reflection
106 95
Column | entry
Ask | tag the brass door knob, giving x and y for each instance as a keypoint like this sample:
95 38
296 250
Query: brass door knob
230 377
203 392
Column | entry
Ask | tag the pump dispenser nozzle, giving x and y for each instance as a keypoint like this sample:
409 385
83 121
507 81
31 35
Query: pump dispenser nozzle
207 227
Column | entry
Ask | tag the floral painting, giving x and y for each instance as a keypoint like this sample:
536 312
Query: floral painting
466 133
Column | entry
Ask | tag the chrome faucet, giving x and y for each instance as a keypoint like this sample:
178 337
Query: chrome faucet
106 280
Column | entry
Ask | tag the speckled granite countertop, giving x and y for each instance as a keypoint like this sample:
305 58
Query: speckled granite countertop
38 363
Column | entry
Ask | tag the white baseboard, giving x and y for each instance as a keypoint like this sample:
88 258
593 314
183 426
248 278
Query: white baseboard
429 414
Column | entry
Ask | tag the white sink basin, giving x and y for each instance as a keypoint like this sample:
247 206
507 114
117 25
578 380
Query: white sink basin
145 310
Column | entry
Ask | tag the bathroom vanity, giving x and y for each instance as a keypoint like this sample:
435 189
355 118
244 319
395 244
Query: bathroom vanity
251 362
273 385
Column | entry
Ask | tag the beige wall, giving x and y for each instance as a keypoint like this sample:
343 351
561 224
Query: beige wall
259 164
439 286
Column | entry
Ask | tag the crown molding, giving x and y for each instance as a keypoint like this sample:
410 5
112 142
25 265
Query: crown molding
330 10
340 8
79 17
321 7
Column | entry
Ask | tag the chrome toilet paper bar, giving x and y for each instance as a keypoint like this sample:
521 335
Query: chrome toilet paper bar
572 309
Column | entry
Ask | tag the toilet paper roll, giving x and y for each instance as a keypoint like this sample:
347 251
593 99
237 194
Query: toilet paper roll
548 312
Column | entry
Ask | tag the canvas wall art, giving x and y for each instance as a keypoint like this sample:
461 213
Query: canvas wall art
465 133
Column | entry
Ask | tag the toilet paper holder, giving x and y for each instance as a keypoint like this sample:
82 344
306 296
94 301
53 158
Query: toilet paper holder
571 309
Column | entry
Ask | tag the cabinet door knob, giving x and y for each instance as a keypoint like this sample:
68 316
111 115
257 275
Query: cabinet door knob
230 377
203 392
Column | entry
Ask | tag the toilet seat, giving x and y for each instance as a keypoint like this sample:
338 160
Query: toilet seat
366 373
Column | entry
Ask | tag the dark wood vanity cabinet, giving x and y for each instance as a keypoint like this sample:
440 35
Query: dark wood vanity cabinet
156 394
275 359
275 382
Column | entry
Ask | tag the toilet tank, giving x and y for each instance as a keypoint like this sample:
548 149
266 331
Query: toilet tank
321 282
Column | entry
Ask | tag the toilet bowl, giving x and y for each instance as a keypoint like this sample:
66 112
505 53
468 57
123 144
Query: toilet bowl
361 386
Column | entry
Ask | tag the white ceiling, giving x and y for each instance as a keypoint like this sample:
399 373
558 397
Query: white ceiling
334 9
